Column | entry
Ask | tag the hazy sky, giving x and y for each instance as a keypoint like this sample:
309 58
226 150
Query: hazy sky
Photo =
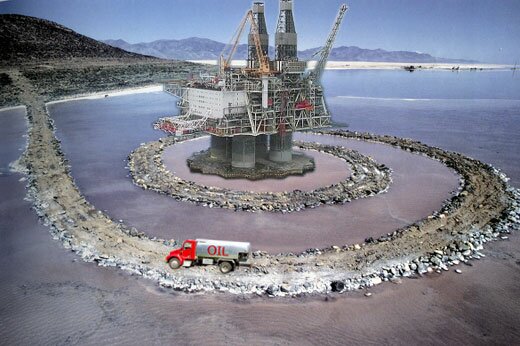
485 30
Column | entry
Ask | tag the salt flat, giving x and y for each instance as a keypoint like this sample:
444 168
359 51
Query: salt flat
369 65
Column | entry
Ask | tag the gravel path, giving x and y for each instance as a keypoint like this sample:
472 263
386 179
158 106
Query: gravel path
484 209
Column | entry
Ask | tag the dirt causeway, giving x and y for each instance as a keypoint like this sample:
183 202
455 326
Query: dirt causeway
484 208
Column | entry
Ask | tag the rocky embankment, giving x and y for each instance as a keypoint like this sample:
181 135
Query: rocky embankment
485 209
56 80
60 62
368 178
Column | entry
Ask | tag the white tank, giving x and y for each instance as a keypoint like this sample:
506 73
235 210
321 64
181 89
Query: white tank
233 250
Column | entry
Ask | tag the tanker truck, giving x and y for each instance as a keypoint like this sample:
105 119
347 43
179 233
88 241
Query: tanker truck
226 254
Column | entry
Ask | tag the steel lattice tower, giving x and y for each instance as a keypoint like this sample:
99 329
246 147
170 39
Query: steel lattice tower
286 38
259 17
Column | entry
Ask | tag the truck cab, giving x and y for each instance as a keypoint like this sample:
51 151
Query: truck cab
186 253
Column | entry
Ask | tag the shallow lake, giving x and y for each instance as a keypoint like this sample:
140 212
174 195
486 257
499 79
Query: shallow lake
48 298
475 113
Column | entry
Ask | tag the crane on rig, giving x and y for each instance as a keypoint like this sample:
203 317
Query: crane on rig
225 62
252 112
315 75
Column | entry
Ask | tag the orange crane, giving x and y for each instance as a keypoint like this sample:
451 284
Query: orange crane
263 60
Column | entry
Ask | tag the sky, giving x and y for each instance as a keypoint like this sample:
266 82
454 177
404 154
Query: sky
483 30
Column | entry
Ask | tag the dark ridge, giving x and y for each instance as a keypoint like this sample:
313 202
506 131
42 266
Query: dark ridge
25 38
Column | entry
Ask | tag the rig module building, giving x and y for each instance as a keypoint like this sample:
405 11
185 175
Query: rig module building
252 112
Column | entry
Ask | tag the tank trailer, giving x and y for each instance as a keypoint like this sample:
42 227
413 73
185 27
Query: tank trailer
226 254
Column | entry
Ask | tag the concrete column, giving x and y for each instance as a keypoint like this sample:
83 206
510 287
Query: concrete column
220 148
261 142
280 147
243 152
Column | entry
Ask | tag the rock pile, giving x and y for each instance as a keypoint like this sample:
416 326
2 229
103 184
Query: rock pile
368 178
485 209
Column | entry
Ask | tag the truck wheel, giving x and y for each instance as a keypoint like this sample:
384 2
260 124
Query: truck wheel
226 267
174 263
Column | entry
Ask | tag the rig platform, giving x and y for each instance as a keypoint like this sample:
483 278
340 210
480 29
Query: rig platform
252 112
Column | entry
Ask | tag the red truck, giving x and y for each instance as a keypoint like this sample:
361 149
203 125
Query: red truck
226 254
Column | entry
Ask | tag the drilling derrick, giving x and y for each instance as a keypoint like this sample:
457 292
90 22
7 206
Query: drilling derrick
251 113
286 38
259 19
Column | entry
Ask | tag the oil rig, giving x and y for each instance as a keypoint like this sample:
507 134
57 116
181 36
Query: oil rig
251 112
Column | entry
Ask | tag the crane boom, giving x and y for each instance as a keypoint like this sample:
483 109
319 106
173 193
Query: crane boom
325 51
225 62
262 59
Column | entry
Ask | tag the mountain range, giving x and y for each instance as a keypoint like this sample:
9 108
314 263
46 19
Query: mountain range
195 48
25 38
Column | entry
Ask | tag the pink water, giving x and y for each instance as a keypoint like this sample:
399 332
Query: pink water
329 170
47 297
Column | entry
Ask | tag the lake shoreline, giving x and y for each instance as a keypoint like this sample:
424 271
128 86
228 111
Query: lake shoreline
96 238
476 304
369 65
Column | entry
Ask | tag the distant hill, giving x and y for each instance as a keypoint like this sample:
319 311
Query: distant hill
24 38
195 48
192 48
353 53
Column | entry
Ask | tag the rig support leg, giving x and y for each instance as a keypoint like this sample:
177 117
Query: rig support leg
243 152
220 148
281 147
